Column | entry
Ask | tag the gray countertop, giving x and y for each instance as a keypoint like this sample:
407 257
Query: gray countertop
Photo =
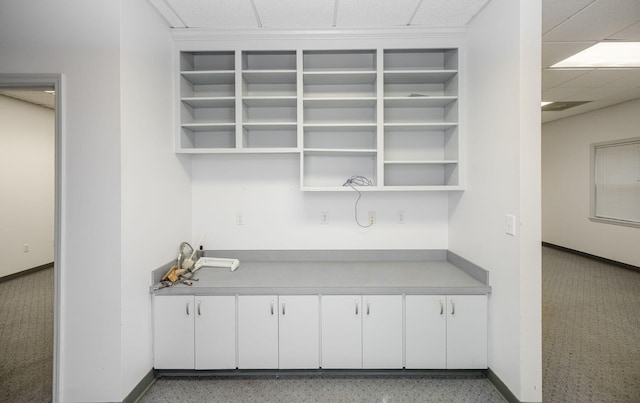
282 275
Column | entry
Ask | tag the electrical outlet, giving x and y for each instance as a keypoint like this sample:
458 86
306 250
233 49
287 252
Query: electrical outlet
26 247
401 217
324 217
372 217
239 218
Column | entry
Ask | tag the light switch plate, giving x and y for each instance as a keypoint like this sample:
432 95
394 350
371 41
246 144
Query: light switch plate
510 224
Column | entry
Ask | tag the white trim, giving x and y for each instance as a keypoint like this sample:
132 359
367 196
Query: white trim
207 34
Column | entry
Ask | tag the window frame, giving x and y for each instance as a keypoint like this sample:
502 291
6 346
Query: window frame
593 205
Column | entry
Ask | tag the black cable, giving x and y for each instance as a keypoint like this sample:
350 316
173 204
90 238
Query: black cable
357 180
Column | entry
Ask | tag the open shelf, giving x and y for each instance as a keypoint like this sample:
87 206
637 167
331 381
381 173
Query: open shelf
391 115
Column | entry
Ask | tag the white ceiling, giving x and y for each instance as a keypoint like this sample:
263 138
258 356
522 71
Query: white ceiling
569 26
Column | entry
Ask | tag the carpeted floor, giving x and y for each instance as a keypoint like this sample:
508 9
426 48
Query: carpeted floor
590 338
26 338
590 330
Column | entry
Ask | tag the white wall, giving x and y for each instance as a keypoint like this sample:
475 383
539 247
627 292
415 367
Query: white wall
102 220
566 183
81 40
26 180
503 178
156 188
277 215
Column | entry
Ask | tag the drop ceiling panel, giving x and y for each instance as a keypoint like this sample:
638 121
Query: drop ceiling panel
562 94
295 13
632 80
552 78
366 13
553 52
447 12
630 33
222 14
597 94
598 77
596 21
555 12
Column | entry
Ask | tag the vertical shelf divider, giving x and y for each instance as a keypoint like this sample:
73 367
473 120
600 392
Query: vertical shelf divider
380 117
238 93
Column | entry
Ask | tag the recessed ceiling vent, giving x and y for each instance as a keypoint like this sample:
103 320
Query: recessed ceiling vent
562 105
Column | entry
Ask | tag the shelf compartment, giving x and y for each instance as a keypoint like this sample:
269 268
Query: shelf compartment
419 101
419 126
339 60
344 152
340 116
340 138
207 61
433 173
418 76
269 60
211 89
270 102
339 77
209 114
417 114
351 102
269 115
420 59
201 136
272 83
332 170
420 145
209 77
272 136
210 102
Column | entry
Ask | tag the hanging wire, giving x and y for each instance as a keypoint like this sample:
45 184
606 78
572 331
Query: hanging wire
357 180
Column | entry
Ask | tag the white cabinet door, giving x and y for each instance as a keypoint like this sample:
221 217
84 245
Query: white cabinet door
173 335
341 331
467 332
215 332
257 332
299 331
382 331
426 332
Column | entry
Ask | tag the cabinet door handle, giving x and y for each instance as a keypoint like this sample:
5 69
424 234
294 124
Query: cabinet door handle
453 307
441 307
271 307
283 311
199 301
356 307
188 308
368 307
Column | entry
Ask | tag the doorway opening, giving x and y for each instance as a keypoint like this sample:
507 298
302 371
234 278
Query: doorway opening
32 234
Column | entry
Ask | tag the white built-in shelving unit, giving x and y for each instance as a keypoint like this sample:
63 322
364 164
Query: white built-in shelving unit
390 115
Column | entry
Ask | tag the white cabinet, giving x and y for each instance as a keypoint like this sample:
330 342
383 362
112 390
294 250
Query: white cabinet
390 115
215 332
257 331
194 332
278 332
331 331
446 331
341 331
467 332
299 332
361 331
173 331
382 331
426 331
